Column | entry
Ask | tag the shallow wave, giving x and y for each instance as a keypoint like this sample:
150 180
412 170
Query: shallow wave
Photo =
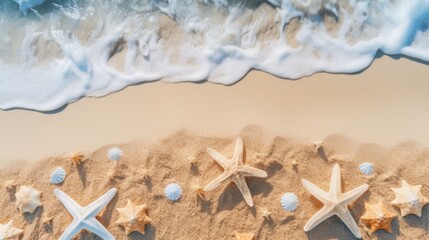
54 52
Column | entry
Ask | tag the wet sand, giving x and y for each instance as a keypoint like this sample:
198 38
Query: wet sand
385 104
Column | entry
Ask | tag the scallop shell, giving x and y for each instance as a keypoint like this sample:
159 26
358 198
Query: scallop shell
58 175
289 202
173 191
366 168
27 199
114 154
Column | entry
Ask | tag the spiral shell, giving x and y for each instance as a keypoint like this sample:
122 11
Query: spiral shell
173 191
58 175
114 154
366 168
289 202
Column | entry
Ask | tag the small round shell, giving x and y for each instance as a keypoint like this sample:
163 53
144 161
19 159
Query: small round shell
289 202
58 175
114 154
173 191
366 168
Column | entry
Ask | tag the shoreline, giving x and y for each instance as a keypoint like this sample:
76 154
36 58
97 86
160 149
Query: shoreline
385 104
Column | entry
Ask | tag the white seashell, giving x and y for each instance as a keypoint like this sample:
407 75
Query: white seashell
58 175
173 191
289 202
114 154
27 199
366 168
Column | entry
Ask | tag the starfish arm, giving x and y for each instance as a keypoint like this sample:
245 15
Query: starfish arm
354 194
335 186
219 158
95 207
73 229
217 181
317 218
252 172
315 191
347 218
244 189
238 151
70 204
96 227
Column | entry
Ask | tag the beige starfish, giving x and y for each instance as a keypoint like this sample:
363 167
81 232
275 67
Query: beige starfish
265 213
234 170
409 199
192 160
47 220
10 184
133 217
377 216
244 236
9 232
335 202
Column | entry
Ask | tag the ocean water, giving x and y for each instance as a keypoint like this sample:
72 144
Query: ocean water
54 52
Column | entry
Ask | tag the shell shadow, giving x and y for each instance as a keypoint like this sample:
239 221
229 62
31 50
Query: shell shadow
419 222
321 153
273 167
82 174
30 217
11 193
150 233
381 234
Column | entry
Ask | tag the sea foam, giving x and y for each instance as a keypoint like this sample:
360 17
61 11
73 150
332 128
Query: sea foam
64 50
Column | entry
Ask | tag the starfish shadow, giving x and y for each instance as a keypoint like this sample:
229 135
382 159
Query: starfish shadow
106 214
332 228
150 233
148 182
231 195
273 167
419 222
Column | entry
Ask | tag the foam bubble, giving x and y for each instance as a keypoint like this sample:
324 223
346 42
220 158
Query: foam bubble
74 48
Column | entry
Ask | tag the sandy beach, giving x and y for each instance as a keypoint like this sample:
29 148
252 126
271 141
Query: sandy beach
167 161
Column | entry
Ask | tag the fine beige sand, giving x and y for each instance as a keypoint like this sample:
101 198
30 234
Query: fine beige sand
224 210
386 104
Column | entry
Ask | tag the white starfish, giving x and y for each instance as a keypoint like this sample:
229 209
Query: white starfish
84 217
234 170
335 202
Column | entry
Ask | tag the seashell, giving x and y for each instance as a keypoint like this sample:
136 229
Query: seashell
378 216
409 199
58 175
173 191
114 154
76 158
366 168
27 199
133 217
9 232
289 202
